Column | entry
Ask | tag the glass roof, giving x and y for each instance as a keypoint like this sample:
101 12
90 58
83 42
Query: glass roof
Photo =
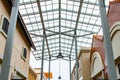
60 19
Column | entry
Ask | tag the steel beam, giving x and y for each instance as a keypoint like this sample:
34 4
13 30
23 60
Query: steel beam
66 43
49 67
36 34
36 22
107 42
31 2
60 33
76 54
70 67
55 33
6 63
77 21
43 25
42 61
86 34
63 27
75 33
83 13
59 26
86 2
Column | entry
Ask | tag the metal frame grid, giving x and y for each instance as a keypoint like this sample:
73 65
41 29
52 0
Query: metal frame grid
60 19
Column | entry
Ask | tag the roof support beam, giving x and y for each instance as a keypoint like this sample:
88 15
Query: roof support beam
30 2
70 68
56 33
85 34
52 51
75 33
59 26
43 26
42 61
66 43
83 13
65 20
62 33
64 38
63 27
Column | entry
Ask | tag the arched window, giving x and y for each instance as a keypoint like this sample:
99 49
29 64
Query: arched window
96 64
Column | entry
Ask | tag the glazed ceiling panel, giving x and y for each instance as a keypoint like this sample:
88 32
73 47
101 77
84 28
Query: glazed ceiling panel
61 18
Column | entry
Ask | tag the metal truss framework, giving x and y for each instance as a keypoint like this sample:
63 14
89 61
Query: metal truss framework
64 26
76 21
60 19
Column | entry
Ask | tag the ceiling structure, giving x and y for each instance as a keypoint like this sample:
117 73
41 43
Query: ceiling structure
60 19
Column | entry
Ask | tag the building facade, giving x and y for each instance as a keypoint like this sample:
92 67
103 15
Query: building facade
32 74
19 67
38 72
98 65
83 63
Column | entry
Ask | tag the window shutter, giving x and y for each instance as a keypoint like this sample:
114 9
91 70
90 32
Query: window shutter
5 25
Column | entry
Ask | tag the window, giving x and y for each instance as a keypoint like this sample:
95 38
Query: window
78 64
24 53
119 68
5 25
0 67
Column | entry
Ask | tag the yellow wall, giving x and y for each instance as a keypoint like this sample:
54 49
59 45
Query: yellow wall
20 41
38 71
32 75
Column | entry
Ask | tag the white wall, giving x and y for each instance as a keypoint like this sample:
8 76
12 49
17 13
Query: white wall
116 44
115 37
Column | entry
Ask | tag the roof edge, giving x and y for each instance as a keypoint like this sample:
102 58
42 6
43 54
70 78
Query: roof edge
114 2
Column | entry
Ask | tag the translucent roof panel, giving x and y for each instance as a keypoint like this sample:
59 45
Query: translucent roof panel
61 18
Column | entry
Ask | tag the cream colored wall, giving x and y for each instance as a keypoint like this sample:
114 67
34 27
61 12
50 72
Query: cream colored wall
115 37
19 43
85 66
22 66
96 64
4 9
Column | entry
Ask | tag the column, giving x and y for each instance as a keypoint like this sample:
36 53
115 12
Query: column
49 67
70 66
6 63
42 61
76 56
107 42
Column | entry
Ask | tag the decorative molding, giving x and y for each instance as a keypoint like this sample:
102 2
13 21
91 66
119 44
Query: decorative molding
114 29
